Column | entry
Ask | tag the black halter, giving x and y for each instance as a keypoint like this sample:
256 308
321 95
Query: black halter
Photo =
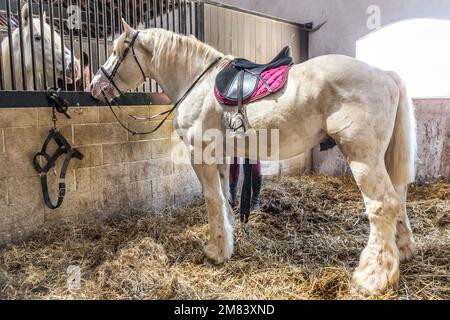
111 76
167 113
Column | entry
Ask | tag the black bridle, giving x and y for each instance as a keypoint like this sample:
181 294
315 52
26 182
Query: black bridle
111 76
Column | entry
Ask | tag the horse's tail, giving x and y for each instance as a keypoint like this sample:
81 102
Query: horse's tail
401 153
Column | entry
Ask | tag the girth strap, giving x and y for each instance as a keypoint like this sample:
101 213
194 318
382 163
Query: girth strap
63 148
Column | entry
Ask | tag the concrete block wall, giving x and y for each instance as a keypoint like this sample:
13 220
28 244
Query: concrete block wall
119 171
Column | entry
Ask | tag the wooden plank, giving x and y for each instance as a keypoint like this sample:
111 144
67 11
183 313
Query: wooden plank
259 36
268 41
241 37
295 43
207 19
227 32
252 40
234 34
276 37
247 37
214 27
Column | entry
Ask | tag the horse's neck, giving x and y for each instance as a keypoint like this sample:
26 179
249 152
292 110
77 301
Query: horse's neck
177 73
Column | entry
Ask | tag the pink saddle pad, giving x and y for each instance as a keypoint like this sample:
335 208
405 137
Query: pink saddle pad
275 78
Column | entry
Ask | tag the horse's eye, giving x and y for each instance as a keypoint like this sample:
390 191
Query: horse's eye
37 37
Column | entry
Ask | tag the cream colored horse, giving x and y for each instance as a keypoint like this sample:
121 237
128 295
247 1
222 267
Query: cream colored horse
17 62
365 110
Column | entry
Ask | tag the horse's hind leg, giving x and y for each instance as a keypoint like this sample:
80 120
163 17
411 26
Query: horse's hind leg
220 244
404 236
378 267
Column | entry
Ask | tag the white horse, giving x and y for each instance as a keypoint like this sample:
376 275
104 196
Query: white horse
27 41
364 109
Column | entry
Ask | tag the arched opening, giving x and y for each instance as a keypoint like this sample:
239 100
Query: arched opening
419 50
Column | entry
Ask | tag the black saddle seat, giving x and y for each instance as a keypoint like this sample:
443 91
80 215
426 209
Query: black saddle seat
281 59
239 79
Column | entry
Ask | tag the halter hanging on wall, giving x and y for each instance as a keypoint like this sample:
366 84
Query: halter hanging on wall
58 105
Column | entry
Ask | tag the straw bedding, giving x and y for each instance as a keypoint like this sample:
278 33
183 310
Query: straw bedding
302 245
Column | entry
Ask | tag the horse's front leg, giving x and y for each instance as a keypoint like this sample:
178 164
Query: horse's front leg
220 245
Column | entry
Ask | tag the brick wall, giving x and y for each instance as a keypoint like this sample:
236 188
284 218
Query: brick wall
118 171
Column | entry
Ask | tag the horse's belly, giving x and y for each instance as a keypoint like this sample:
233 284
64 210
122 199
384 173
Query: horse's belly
299 127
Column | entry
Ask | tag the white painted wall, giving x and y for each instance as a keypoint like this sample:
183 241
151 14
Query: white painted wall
346 19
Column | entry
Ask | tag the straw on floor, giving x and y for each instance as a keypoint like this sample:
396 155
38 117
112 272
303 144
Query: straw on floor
302 245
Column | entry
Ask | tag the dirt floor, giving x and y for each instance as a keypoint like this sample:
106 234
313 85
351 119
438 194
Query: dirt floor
303 245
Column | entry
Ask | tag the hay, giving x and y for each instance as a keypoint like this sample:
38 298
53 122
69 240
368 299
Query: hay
302 245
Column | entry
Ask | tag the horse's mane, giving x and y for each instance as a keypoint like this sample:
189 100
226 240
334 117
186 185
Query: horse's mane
168 46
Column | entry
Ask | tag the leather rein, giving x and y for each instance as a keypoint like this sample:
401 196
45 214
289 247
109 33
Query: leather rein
167 113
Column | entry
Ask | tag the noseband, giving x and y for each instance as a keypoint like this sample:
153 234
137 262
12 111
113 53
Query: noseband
111 76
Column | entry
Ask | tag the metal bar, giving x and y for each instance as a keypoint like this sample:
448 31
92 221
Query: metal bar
161 6
72 58
22 55
33 56
134 24
155 13
113 20
89 38
63 46
10 43
105 30
141 6
38 99
183 28
97 34
173 15
142 20
1 71
80 39
167 15
52 39
155 18
119 22
191 18
180 9
127 17
133 13
200 20
44 71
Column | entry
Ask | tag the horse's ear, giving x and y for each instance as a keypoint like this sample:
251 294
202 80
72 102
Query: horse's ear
141 26
25 13
128 30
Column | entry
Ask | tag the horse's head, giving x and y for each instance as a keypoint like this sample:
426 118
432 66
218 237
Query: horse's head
123 69
45 38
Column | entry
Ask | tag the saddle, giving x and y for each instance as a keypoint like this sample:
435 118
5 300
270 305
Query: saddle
243 81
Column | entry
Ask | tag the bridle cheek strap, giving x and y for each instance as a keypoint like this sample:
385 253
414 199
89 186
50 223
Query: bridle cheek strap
111 76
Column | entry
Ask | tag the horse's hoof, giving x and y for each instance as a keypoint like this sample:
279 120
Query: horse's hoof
376 274
407 251
214 255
